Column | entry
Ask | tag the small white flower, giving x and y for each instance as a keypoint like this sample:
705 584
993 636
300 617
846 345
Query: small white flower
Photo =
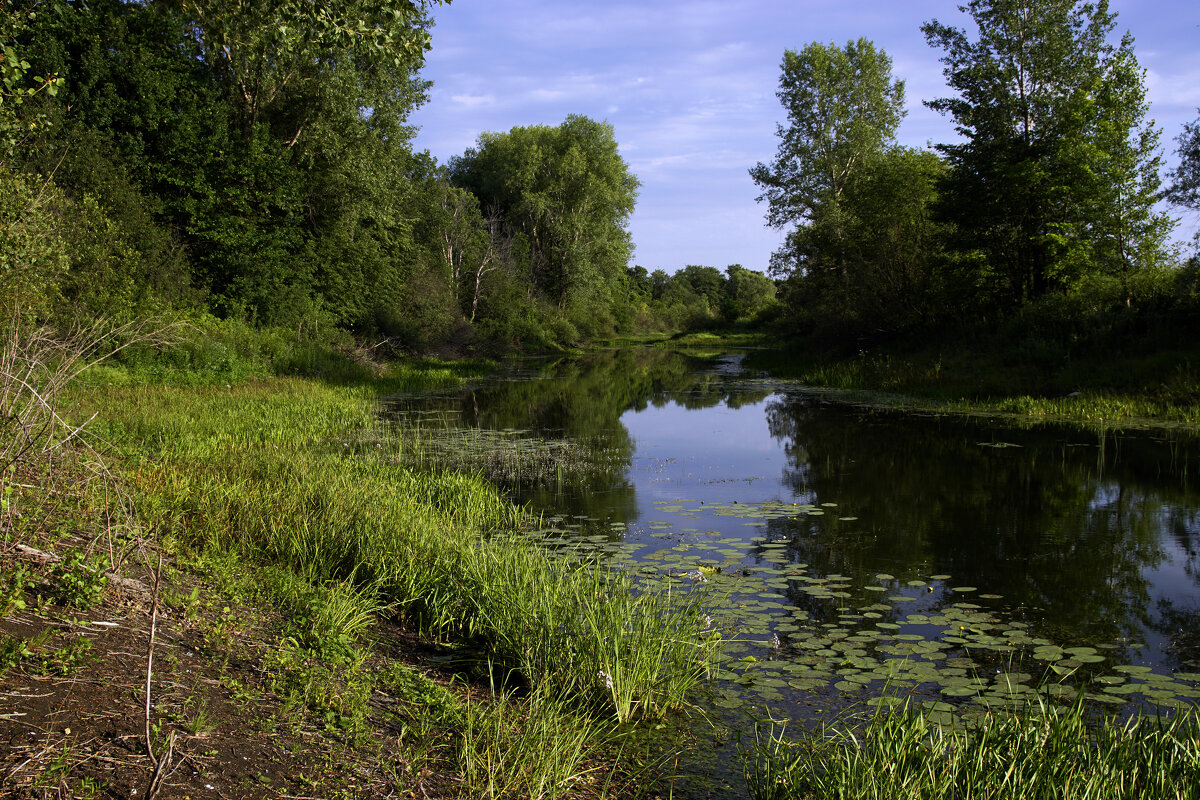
775 643
606 679
697 577
708 622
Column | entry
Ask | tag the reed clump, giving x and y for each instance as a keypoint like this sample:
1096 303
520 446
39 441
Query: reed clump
1044 751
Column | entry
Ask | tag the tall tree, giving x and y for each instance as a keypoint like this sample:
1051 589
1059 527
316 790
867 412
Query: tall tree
843 107
286 59
1055 177
1185 178
567 190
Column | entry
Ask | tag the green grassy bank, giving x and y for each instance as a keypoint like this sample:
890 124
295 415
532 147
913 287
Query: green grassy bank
282 500
1158 389
294 473
1028 381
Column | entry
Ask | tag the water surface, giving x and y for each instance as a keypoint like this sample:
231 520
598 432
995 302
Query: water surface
854 552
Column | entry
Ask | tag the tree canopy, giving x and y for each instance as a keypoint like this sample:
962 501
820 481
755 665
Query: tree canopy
1057 173
567 191
843 107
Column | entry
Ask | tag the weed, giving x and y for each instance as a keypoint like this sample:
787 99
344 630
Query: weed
12 591
66 660
196 717
188 603
238 692
411 687
79 581
13 650
533 747
336 694
1042 751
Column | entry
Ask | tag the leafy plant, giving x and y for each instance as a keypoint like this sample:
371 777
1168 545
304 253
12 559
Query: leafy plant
79 581
65 660
12 593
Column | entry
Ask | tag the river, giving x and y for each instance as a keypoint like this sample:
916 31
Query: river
853 554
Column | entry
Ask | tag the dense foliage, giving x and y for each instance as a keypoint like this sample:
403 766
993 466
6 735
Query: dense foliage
1038 225
254 161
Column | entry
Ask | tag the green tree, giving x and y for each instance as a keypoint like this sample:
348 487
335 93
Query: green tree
32 254
1055 178
706 282
1185 178
747 293
890 247
282 160
843 107
567 190
285 61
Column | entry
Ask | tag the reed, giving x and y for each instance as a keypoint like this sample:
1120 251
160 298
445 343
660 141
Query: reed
1044 751
536 747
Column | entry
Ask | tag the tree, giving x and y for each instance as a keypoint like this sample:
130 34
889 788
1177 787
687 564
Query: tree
705 282
843 107
32 253
1185 178
284 60
746 292
569 192
1055 178
889 245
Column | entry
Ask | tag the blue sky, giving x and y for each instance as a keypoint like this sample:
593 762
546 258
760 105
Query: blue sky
689 88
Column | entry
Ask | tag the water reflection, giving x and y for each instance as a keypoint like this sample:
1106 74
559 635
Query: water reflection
1088 538
1071 528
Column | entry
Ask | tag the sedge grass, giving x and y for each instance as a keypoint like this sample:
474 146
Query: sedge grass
267 470
1040 752
536 747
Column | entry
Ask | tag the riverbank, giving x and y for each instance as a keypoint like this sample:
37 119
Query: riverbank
1162 390
328 621
1119 390
253 597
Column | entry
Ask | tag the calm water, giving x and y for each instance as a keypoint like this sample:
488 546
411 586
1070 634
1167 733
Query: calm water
853 552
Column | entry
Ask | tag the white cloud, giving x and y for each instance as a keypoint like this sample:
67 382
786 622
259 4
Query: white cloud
690 90
473 100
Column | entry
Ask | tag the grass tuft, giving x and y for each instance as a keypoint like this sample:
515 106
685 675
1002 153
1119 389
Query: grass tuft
1043 751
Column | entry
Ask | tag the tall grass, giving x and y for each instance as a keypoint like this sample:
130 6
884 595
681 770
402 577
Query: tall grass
270 470
519 748
1041 752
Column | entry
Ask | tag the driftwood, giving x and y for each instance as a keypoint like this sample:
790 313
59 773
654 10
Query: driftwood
132 585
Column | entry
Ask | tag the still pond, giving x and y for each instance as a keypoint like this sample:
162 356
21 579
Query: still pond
851 553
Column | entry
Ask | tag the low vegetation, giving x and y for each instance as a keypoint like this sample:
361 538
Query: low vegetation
294 545
1042 751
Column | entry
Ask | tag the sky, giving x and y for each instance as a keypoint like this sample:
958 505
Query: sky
689 88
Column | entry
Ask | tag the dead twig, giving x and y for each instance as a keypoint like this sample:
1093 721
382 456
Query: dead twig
162 764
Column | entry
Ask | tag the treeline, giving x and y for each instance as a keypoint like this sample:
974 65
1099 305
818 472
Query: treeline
697 297
253 161
1037 228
